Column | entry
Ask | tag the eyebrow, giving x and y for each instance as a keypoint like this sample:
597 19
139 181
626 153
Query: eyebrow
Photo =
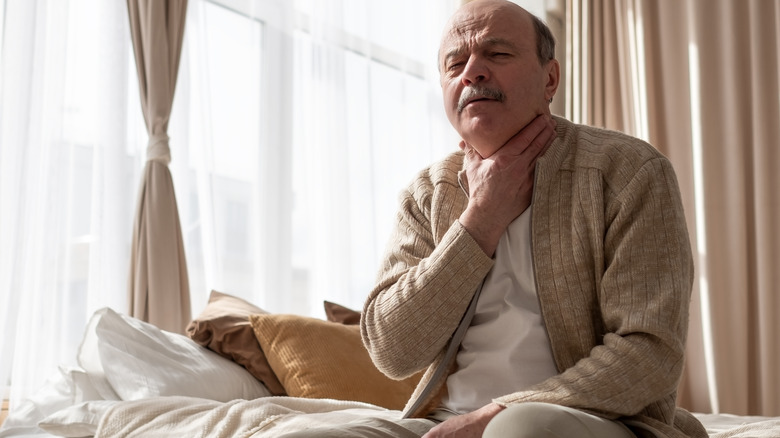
492 42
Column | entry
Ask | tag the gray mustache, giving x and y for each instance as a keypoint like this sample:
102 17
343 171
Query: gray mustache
477 91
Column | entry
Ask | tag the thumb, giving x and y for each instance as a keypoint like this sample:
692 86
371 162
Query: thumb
471 154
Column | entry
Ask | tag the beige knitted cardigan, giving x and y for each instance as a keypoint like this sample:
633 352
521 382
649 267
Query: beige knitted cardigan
613 270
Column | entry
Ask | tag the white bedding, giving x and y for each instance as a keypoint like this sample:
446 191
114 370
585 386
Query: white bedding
274 416
268 417
135 380
740 426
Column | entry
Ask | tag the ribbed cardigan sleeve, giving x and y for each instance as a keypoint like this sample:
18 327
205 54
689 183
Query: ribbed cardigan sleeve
430 272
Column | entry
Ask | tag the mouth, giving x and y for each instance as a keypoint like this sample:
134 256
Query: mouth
467 103
479 99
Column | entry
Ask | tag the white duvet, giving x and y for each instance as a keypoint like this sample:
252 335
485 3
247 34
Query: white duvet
275 416
262 418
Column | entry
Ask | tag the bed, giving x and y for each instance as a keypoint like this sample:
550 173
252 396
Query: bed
239 372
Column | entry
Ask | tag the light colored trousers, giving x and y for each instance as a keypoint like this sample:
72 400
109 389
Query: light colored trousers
524 420
544 420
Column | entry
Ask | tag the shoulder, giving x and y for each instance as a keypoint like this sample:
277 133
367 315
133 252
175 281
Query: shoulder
617 156
443 173
434 195
599 147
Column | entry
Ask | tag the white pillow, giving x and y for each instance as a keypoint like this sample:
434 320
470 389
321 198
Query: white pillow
88 357
79 420
82 388
138 360
57 393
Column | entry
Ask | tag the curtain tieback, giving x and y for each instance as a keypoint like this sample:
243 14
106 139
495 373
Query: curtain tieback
158 149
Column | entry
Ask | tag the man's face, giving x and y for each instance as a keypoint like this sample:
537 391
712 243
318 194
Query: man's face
492 81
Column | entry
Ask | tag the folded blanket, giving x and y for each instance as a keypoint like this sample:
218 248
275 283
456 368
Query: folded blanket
260 418
740 426
761 429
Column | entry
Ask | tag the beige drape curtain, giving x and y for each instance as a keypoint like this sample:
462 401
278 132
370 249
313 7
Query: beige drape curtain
158 286
699 80
668 113
736 111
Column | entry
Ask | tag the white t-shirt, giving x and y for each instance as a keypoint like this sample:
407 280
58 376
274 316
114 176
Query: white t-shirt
506 347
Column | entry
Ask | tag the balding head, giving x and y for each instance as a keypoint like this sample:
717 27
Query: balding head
545 42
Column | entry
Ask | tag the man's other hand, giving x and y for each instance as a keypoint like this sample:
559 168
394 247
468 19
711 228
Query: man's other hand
469 425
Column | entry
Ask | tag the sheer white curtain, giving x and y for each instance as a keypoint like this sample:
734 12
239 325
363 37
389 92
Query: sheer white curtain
367 117
305 119
68 173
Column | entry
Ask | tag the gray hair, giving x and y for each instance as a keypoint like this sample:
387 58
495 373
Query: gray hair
545 42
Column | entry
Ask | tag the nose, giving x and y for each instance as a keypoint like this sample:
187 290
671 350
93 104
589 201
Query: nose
476 71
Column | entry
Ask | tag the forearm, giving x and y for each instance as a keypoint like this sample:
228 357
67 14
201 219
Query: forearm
485 234
411 314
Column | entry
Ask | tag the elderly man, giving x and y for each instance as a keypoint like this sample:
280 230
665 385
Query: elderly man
542 274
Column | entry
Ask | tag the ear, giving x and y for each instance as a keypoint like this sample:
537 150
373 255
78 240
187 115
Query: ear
553 70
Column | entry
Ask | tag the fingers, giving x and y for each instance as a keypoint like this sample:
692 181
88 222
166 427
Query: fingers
543 139
533 129
533 138
472 155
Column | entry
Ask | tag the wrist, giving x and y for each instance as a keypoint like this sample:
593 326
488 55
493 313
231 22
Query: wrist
484 233
494 408
489 411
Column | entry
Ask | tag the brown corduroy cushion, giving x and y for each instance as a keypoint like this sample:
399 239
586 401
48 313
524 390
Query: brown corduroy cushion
224 328
322 359
342 315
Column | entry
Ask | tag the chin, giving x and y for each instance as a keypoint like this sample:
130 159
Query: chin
485 146
485 151
487 136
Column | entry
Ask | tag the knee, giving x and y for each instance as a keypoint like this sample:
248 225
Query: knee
529 420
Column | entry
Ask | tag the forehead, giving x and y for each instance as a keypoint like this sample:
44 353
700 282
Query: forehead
488 25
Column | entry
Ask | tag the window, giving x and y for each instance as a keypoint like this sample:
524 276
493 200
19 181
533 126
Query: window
215 135
303 121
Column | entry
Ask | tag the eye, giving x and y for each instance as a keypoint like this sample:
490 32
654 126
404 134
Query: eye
454 66
499 55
